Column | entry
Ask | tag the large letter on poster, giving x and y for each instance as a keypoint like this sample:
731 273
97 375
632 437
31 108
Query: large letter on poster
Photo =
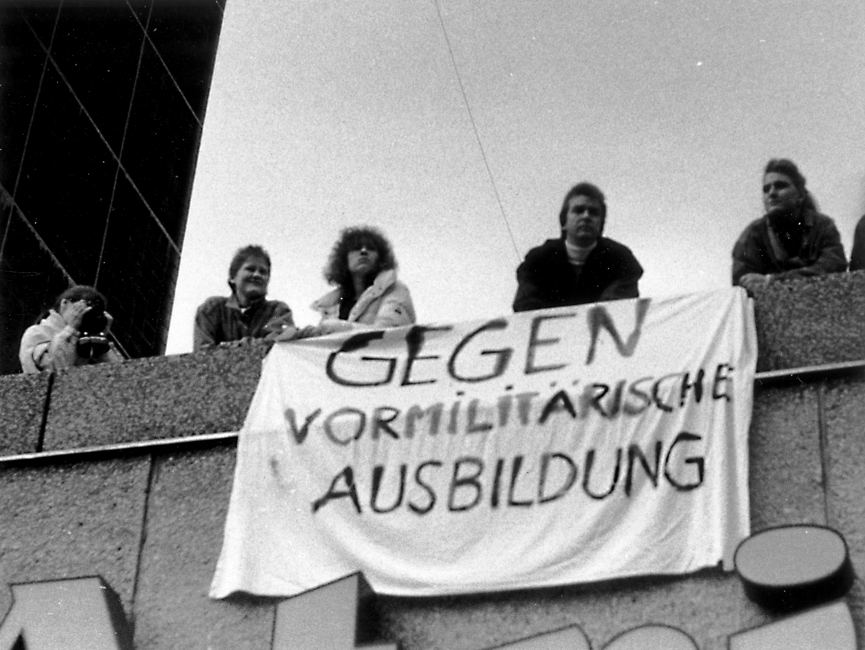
539 449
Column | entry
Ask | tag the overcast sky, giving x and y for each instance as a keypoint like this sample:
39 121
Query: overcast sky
457 126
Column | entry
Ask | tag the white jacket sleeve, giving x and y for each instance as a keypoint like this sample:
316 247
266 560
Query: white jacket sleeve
42 351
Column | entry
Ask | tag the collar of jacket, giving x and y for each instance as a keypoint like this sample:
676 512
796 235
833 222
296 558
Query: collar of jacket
777 249
383 281
232 303
806 214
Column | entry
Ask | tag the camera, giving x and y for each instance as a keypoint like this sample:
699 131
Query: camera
94 322
92 341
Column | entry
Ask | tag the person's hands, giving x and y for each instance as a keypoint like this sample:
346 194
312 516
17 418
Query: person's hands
308 332
287 333
73 312
292 333
237 343
752 281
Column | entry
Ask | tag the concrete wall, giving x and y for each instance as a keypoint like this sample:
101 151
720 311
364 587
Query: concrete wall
150 522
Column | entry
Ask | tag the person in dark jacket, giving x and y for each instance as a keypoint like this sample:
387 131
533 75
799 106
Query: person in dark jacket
792 240
581 266
246 314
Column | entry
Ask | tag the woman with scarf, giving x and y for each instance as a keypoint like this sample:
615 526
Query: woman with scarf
792 240
367 294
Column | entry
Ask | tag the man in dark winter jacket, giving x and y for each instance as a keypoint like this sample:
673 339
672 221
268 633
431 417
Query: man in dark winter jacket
581 266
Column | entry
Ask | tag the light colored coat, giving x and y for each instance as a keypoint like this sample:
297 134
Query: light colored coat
52 345
385 303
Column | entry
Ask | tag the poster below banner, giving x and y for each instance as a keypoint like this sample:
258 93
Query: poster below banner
544 448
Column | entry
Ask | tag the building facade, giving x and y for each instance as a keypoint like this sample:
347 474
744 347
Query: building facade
125 472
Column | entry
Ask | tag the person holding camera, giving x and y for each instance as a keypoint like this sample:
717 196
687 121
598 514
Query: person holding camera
73 333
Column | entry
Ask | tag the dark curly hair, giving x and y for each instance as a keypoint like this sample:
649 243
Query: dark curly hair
789 169
78 292
583 189
82 292
336 270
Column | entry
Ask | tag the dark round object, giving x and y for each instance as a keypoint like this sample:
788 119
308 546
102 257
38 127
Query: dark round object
794 567
90 347
94 322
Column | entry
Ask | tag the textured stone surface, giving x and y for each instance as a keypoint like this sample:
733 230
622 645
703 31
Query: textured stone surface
72 521
844 418
785 468
188 504
709 607
147 399
811 322
22 407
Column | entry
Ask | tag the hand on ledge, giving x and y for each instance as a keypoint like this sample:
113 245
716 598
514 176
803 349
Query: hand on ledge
292 333
236 344
754 281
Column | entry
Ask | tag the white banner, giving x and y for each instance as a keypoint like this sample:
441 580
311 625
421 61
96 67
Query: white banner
544 448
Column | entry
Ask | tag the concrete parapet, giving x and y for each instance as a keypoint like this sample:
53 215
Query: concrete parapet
156 398
23 403
810 322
